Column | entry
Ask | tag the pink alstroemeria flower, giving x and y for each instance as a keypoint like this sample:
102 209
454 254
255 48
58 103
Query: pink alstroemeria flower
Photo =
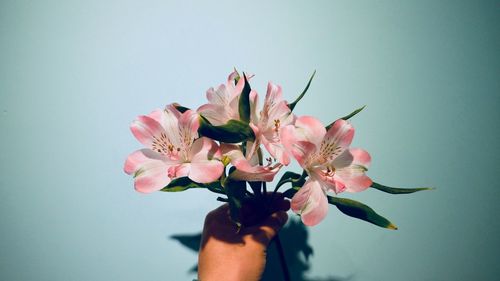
329 162
173 150
249 169
275 114
223 101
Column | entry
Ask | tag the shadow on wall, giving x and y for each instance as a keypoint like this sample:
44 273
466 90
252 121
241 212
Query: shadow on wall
294 237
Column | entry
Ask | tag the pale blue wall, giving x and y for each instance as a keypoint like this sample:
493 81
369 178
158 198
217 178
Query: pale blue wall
74 74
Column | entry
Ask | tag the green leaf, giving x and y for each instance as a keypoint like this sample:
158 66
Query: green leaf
361 211
181 108
244 102
184 183
287 177
347 117
234 131
293 104
235 191
181 184
297 180
394 190
289 193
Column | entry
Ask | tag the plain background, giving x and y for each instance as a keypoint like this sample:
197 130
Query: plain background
74 74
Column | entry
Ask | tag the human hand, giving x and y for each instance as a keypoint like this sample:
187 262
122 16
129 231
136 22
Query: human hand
227 254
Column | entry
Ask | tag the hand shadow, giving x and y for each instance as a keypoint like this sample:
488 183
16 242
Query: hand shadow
294 237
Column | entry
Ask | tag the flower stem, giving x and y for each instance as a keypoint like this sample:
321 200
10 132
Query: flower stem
284 267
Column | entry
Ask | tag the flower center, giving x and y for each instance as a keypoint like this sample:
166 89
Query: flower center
329 172
276 125
162 144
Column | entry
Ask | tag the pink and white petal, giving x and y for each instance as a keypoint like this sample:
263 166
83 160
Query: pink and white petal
361 157
345 159
157 115
188 127
254 103
310 128
322 175
233 108
179 170
247 172
204 149
273 96
353 176
283 113
354 182
171 125
171 107
218 96
144 128
277 150
301 150
216 114
252 154
149 169
311 203
206 171
137 158
337 139
339 185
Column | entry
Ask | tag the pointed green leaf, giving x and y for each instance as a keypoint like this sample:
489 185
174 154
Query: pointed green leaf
181 184
244 102
233 131
394 190
184 183
347 117
293 104
361 211
181 108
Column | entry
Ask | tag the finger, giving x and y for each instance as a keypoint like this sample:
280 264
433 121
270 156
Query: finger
280 204
271 226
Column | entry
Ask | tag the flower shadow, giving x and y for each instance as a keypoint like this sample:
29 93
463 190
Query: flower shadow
294 237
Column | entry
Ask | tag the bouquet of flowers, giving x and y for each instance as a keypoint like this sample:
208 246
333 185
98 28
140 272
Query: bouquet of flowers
234 147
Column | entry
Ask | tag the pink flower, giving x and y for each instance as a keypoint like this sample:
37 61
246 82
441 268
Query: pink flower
249 169
329 162
173 150
223 101
274 115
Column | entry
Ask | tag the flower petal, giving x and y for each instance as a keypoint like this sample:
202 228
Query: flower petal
188 128
310 129
310 202
337 139
149 169
204 149
206 171
145 129
301 150
353 176
248 170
